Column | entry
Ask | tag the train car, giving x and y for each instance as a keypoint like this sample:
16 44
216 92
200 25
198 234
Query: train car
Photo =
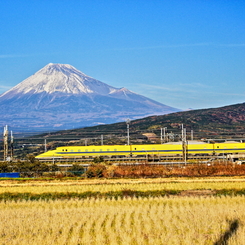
173 148
87 151
216 148
228 148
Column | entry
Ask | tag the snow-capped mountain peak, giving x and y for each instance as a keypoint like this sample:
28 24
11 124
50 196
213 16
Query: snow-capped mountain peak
60 78
59 96
67 69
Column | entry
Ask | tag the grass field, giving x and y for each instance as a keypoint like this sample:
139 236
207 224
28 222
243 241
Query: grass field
192 218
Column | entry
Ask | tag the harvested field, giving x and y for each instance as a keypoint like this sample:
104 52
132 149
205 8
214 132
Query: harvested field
127 211
174 220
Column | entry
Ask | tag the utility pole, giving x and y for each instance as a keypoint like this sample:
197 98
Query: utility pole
184 145
128 122
5 143
102 139
163 135
191 134
11 145
45 145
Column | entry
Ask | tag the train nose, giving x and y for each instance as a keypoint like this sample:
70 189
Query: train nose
45 155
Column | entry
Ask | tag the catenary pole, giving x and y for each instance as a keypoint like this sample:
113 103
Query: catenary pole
128 122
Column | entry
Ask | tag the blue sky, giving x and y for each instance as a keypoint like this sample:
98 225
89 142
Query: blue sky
185 53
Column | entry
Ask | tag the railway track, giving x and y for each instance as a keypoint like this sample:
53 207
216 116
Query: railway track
140 160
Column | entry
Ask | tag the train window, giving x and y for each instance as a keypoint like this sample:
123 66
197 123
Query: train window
115 149
86 150
66 149
135 149
71 150
62 149
79 150
217 147
93 149
101 150
108 149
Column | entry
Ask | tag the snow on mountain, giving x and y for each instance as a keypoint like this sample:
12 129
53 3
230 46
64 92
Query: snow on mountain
60 78
124 93
59 96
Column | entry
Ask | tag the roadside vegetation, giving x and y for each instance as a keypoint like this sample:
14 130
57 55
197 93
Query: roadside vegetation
102 169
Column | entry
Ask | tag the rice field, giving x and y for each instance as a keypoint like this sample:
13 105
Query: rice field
119 185
187 220
127 220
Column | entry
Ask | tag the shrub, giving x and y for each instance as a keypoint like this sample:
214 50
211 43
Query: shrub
95 171
4 167
76 170
30 168
98 159
110 171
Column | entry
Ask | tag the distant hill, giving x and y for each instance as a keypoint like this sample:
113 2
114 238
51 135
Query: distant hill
61 97
228 121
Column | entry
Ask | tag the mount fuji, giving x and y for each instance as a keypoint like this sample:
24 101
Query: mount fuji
61 97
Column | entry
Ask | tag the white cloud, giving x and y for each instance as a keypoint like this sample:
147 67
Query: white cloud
194 85
157 87
178 87
233 45
192 91
4 88
165 46
224 93
5 56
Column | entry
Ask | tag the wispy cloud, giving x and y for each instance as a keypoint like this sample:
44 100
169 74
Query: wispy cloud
194 85
171 46
184 87
233 45
192 91
157 87
5 56
3 87
164 46
225 93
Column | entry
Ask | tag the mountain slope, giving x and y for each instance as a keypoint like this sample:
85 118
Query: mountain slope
223 122
60 96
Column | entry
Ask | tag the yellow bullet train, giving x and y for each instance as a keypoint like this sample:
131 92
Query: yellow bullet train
173 148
